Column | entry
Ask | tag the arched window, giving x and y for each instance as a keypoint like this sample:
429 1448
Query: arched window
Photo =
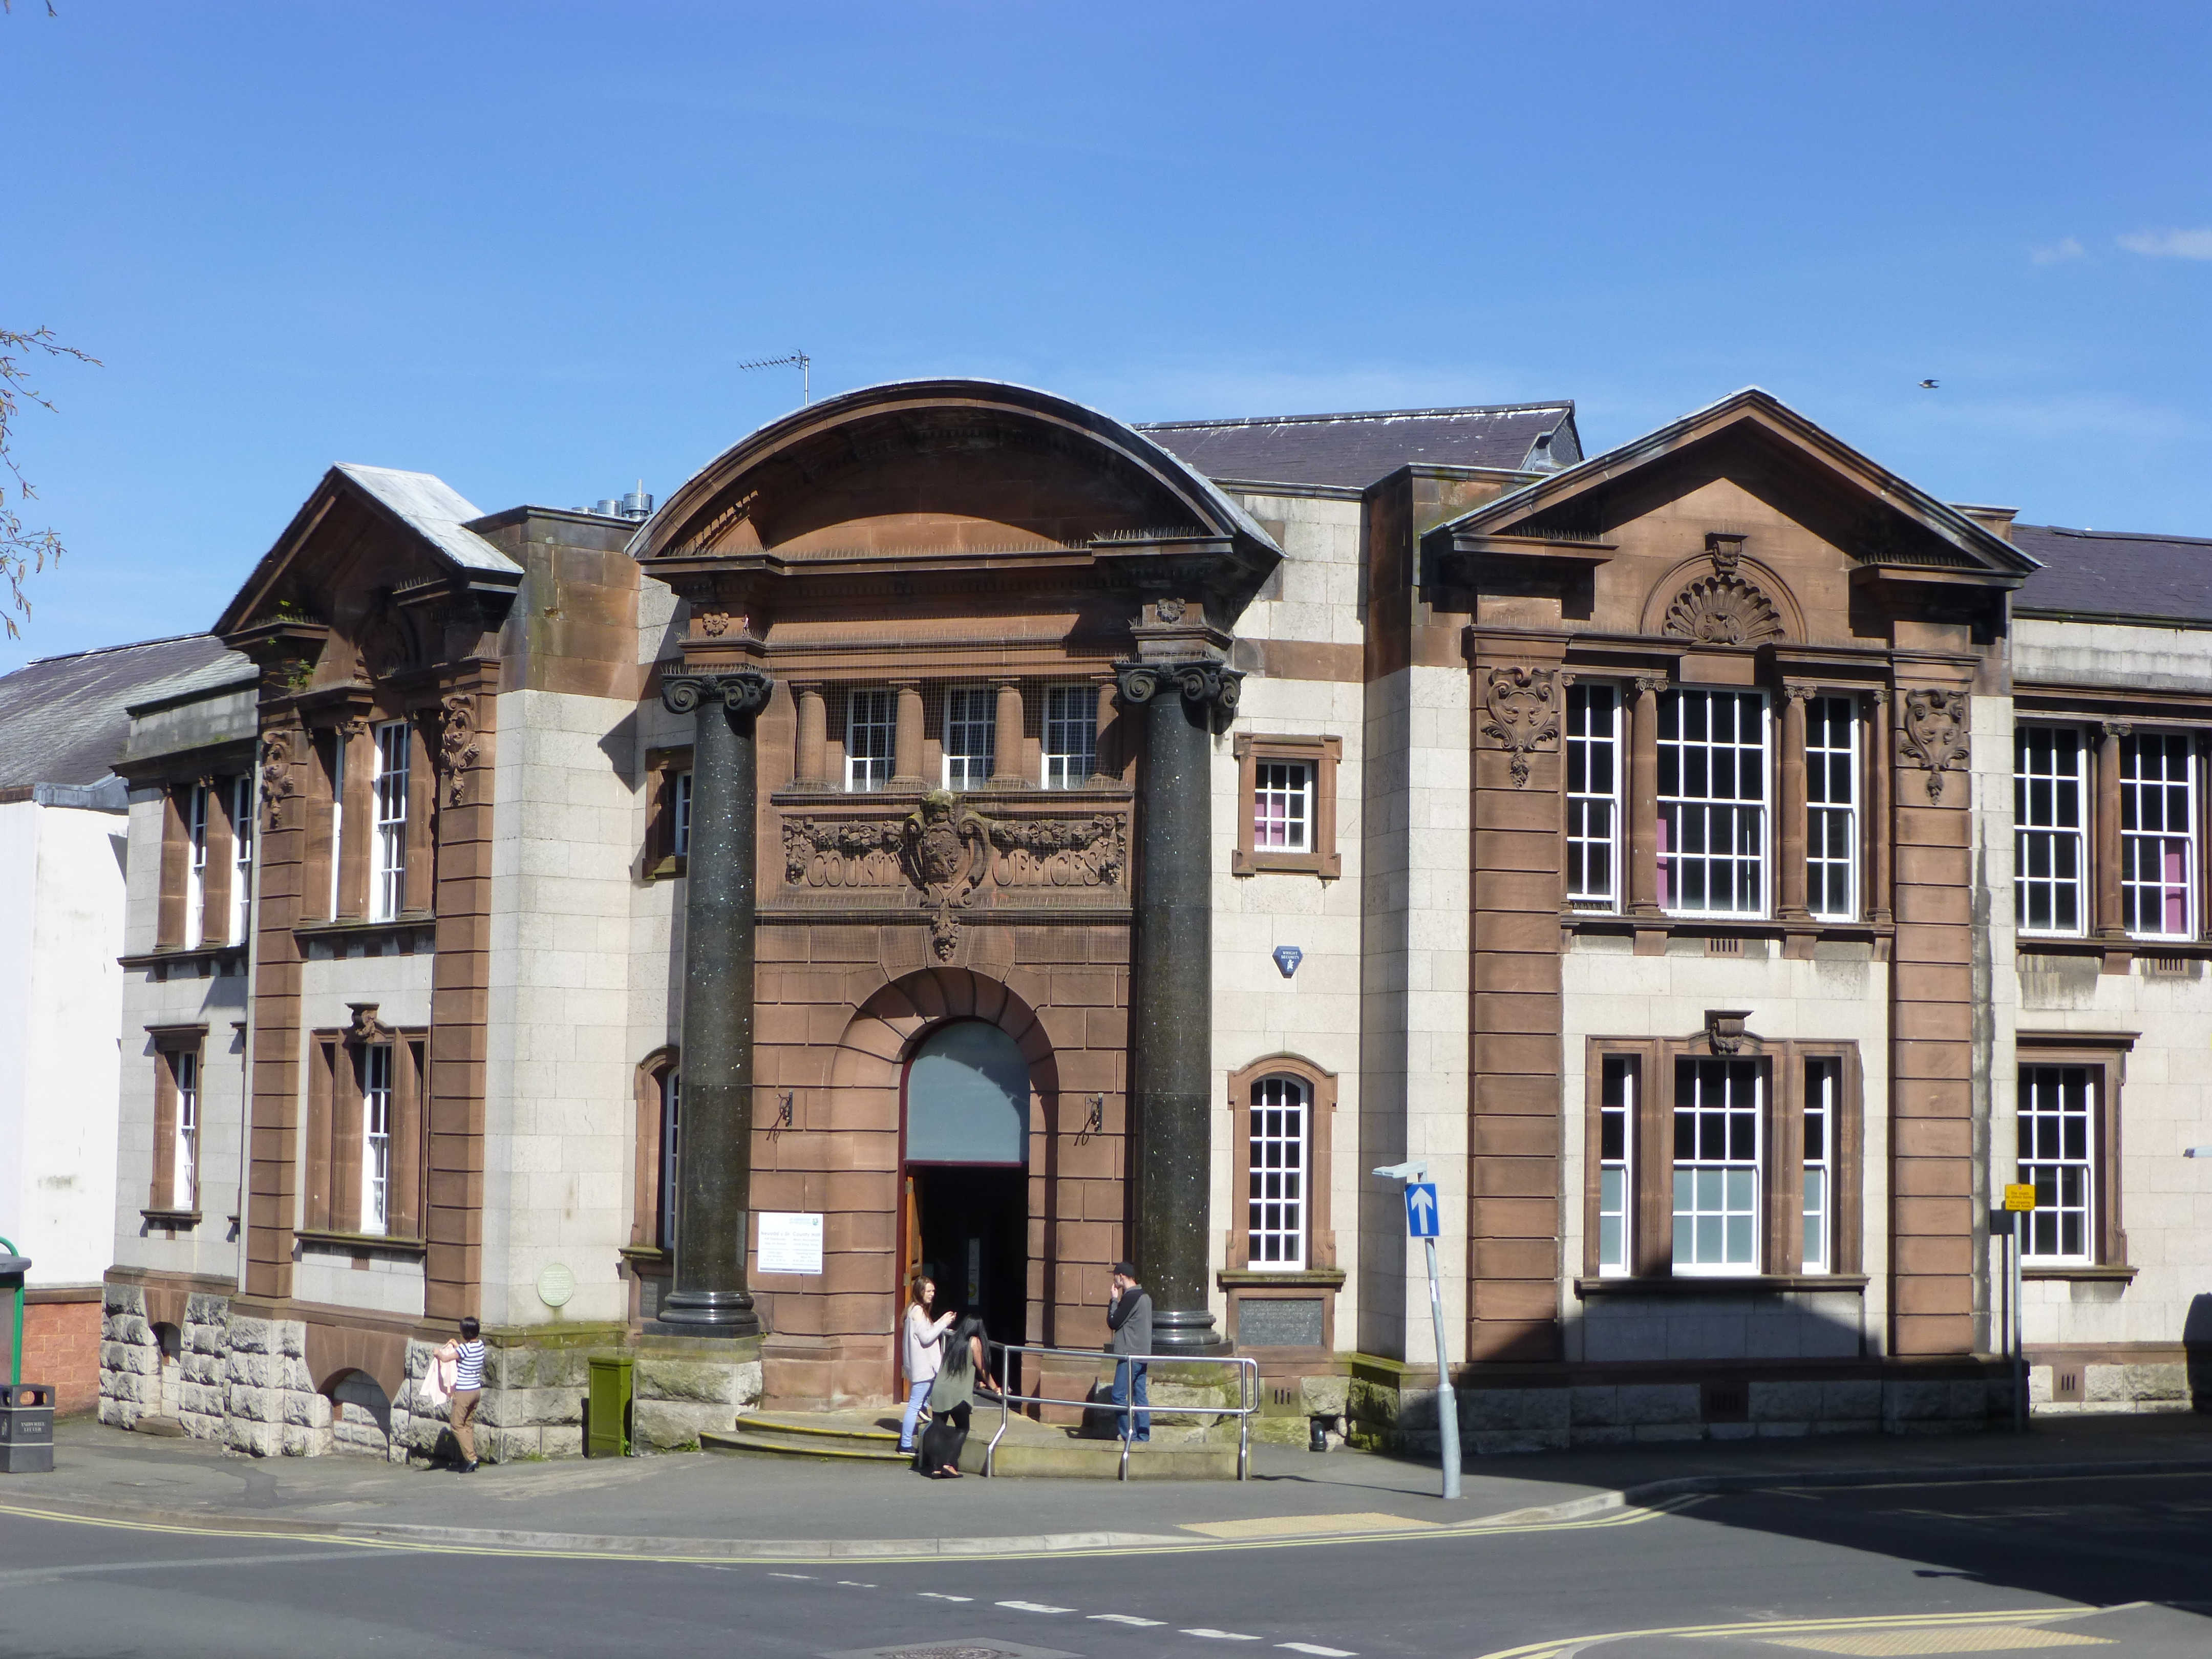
654 1224
1279 1135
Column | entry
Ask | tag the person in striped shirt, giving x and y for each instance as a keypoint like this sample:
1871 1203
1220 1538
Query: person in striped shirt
468 1357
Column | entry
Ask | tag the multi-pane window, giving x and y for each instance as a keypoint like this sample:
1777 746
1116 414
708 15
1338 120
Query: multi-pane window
1716 1153
376 1137
200 804
2049 844
241 856
1616 1119
671 1099
871 739
338 815
2057 1158
1592 798
1275 1204
971 725
1831 835
1283 807
1071 735
1713 803
388 799
185 1167
1824 1084
679 814
2157 815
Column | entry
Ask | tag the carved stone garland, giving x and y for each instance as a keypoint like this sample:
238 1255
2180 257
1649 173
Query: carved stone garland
1522 710
1935 734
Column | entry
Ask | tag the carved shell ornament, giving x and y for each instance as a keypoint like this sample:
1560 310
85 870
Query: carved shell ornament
1723 609
1935 734
1522 709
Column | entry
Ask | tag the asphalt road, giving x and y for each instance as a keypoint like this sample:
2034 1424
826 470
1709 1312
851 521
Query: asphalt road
1994 1567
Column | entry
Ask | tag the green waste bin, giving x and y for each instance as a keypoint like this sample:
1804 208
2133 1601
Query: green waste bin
607 1409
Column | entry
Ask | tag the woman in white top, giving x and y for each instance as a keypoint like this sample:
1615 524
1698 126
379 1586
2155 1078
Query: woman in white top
921 1351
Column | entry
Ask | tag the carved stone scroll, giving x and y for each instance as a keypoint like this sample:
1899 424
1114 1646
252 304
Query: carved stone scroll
277 785
457 741
1935 734
1522 710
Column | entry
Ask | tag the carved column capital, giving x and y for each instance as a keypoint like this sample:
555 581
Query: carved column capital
741 691
1203 682
2119 728
1648 683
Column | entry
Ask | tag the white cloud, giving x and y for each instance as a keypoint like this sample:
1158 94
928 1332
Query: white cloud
2170 243
2059 252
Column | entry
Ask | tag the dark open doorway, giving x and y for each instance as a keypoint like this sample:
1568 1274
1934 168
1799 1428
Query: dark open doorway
974 1228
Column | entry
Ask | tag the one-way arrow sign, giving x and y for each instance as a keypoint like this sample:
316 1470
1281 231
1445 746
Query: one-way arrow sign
1421 1209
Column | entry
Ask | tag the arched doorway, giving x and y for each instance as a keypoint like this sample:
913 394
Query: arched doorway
965 1170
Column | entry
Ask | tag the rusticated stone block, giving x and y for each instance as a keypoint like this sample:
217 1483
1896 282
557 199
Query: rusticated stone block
529 1408
243 1336
693 1381
1540 1412
254 1438
247 1404
1323 1396
672 1426
293 1440
311 1411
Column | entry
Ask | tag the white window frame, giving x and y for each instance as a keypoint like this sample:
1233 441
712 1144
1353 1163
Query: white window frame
388 799
2042 843
1071 736
1278 1189
970 743
198 805
1824 1100
671 1100
377 1061
2057 1140
1615 1153
1594 783
2162 799
241 857
1289 787
679 814
1677 807
871 739
337 816
1721 1181
185 1165
1832 808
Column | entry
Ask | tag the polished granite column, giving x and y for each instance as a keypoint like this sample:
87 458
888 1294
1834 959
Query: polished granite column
708 1296
1179 704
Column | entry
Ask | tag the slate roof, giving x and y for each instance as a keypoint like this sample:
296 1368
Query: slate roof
1351 450
62 720
2105 573
435 510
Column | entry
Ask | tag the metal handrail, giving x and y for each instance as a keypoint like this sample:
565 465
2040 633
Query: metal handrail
1247 1407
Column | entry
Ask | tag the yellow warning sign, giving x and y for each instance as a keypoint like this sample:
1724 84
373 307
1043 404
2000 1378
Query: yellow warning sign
2020 1196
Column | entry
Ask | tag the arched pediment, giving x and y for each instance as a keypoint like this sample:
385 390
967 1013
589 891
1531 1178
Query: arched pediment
943 465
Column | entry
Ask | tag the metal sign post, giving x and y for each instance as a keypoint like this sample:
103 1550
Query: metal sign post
2019 1201
1424 1221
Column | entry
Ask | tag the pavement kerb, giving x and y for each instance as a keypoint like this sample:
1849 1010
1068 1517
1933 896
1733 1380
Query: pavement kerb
402 1536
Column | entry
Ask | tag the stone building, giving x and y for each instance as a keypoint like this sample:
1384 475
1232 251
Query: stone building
960 828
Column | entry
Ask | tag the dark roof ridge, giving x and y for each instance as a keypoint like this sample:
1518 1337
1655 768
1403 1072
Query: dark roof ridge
127 644
1564 405
2117 535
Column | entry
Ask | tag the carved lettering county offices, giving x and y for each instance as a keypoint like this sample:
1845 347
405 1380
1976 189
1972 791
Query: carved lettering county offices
899 828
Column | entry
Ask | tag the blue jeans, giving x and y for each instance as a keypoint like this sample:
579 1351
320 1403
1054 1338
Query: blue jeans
913 1414
1141 1427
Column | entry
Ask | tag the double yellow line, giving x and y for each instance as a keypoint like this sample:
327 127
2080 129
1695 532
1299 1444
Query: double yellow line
1553 1647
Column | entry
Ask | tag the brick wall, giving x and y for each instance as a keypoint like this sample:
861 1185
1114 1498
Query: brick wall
61 1345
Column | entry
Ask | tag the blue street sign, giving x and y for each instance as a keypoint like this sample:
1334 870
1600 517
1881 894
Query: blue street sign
1421 1215
1287 958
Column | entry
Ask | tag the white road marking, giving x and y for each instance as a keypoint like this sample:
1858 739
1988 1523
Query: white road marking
1325 1653
1129 1618
791 1575
855 1583
938 1596
1033 1607
1221 1635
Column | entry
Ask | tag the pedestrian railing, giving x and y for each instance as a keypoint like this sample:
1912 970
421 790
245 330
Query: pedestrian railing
1246 1372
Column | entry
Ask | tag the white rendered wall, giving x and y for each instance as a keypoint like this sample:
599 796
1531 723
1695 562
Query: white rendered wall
60 929
559 1069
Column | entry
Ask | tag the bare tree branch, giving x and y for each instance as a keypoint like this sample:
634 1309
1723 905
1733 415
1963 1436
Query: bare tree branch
23 552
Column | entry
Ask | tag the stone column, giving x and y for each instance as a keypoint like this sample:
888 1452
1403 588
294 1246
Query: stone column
1881 832
1171 992
1006 771
1791 840
906 753
1643 796
713 1179
1105 763
2105 838
810 765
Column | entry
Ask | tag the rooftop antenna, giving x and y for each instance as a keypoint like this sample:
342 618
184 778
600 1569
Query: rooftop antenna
797 359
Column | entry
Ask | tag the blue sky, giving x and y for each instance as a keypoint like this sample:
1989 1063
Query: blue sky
525 247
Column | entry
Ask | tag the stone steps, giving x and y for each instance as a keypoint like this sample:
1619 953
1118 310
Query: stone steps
828 1436
1029 1450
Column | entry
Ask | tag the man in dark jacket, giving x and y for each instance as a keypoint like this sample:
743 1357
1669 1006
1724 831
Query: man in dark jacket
1129 1317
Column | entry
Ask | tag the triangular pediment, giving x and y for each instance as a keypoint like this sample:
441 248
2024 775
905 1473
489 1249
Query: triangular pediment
1754 443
